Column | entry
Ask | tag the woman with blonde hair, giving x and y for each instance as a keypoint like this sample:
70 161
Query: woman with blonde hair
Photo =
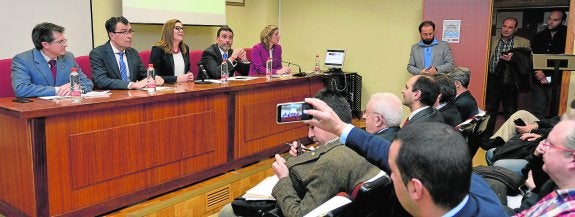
170 55
268 48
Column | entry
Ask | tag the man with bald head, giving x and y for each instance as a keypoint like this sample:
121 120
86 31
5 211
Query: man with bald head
383 115
548 41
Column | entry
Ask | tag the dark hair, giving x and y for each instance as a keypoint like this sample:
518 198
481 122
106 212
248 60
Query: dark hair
461 74
44 32
337 102
436 155
428 88
512 18
446 87
426 23
224 28
111 23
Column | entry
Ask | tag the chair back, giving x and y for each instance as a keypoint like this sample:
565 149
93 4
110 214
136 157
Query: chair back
6 89
84 63
478 131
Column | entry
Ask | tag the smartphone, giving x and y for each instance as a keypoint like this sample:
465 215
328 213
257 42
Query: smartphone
292 112
548 79
519 122
22 100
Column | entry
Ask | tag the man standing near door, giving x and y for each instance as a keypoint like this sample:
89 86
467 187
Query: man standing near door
496 93
548 41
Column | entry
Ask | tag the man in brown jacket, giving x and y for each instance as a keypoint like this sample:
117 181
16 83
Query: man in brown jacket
308 180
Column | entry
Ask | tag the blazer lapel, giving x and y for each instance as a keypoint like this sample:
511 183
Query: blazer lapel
112 60
219 57
43 67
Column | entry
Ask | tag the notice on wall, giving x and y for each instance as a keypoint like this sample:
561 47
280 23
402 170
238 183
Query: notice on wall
451 31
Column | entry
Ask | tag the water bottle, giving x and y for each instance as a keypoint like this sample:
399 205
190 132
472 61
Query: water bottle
269 69
151 76
75 87
316 68
224 69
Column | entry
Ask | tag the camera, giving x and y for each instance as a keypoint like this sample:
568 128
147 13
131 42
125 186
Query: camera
292 112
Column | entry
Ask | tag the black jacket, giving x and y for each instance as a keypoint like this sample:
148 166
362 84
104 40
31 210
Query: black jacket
164 63
517 71
212 59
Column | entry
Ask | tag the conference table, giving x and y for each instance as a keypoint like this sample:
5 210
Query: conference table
59 158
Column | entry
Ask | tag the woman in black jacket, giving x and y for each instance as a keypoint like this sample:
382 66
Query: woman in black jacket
170 55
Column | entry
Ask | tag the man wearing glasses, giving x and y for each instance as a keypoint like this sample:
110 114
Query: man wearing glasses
45 70
212 57
115 64
558 152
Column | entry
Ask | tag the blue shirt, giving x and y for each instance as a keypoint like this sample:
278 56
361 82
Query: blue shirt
428 52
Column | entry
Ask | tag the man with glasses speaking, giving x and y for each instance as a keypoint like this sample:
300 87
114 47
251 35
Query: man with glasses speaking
45 70
115 64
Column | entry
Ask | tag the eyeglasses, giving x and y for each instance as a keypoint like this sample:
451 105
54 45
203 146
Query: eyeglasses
179 28
364 113
125 32
548 145
62 42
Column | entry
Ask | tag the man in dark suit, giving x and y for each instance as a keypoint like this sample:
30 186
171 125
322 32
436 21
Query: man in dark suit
115 64
444 103
212 57
383 115
429 164
419 95
464 101
45 70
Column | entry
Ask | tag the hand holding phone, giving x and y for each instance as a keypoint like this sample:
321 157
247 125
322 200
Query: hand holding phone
292 112
519 122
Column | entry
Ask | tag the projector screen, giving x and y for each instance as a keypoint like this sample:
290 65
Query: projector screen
190 12
20 17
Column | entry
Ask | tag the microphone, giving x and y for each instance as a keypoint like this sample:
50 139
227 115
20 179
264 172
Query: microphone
299 74
203 74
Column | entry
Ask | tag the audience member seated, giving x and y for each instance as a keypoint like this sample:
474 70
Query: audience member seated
125 70
464 101
559 163
308 180
419 95
268 47
212 57
45 70
429 165
383 115
170 55
444 103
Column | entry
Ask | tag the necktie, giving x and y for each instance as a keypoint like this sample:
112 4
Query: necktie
53 69
406 122
123 71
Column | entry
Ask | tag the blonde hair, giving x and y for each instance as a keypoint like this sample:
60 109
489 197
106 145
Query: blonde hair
166 41
266 35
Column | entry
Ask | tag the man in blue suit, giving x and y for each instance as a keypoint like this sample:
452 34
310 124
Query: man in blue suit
429 165
115 64
45 70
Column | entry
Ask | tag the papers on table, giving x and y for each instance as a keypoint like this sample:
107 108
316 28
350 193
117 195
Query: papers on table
263 190
159 88
242 78
328 206
92 94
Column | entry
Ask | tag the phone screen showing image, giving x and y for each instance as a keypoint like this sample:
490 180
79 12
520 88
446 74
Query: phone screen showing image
292 112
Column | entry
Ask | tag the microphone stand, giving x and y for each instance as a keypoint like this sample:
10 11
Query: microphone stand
203 73
300 73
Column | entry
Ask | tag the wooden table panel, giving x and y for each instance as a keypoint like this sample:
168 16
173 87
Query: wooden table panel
132 147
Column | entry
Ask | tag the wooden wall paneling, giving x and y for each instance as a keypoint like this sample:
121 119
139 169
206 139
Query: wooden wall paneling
566 78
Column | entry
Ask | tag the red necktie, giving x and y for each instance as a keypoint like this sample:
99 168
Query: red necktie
53 69
406 122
